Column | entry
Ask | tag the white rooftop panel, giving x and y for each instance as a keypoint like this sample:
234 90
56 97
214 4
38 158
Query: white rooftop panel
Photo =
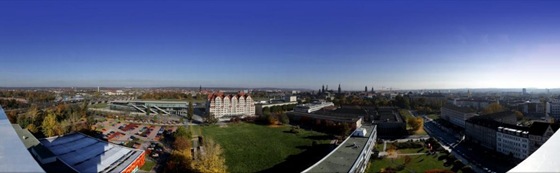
14 156
544 159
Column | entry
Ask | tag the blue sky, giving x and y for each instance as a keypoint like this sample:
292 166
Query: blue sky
296 44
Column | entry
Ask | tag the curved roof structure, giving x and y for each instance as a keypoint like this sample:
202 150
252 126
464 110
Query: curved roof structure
14 156
542 160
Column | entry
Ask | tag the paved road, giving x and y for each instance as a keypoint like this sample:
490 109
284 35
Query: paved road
452 143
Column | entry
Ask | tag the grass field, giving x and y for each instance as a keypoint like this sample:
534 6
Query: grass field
148 165
100 105
433 116
253 148
419 163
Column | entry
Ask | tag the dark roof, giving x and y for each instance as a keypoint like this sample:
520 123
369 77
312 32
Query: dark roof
538 128
491 123
500 115
388 114
460 109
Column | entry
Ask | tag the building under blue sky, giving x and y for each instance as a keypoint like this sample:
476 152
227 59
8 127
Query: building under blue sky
296 44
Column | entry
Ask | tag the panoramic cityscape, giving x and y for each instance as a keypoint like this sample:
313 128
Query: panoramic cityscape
279 86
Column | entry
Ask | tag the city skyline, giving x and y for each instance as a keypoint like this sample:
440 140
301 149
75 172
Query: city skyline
399 45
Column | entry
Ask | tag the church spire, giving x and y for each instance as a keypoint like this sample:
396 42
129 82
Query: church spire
339 91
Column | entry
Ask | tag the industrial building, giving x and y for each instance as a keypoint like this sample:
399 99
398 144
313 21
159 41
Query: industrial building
153 107
86 154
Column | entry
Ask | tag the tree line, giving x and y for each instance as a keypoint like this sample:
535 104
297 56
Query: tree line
30 96
59 120
12 104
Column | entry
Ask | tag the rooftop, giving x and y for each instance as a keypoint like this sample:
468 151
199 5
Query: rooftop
86 154
31 142
14 156
539 128
388 114
459 109
342 158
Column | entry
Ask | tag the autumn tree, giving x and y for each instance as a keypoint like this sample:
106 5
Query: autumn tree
182 143
210 159
182 132
518 115
492 108
179 161
414 123
50 126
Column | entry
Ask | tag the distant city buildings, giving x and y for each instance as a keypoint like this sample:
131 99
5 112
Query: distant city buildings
225 106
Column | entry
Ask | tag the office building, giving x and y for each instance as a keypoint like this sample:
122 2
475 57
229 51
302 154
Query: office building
513 141
456 115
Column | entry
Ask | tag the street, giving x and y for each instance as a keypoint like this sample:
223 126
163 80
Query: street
452 143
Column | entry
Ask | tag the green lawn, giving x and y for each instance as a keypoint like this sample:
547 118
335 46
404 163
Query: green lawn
100 105
433 116
251 148
418 163
148 165
406 114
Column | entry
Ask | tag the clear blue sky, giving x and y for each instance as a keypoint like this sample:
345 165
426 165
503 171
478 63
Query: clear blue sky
403 45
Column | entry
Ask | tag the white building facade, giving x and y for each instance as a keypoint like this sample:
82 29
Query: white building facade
513 141
221 105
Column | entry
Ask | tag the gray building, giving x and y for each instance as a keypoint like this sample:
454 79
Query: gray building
456 115
389 122
482 129
539 133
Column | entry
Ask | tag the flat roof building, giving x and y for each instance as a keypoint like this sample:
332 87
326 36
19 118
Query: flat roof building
86 154
312 107
352 155
14 156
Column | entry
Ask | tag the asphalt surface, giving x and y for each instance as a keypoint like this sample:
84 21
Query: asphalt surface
452 143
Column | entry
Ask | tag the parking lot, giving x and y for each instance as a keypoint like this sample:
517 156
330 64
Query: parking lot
139 135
